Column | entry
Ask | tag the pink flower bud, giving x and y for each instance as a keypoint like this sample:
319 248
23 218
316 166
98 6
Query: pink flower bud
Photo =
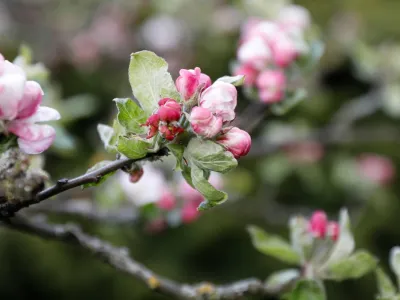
255 52
167 201
377 169
221 100
333 230
318 224
152 122
284 50
294 16
136 175
266 30
189 81
271 84
249 72
156 226
169 110
189 213
204 123
31 100
237 141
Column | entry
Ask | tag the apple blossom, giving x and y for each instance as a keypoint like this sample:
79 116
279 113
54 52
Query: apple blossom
294 16
169 110
271 84
167 200
318 224
284 50
189 213
377 169
152 122
235 140
189 81
255 52
204 123
333 230
249 72
221 99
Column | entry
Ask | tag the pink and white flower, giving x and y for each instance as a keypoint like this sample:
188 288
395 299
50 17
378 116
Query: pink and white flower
235 140
20 110
250 74
318 224
376 168
294 16
271 84
255 52
190 80
204 123
221 99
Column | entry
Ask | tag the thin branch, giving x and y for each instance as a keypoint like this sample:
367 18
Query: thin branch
119 259
8 209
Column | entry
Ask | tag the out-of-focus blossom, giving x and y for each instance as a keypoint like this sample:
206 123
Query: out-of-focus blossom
189 213
318 224
163 33
167 201
189 81
249 72
271 84
235 140
149 189
377 169
84 49
255 52
333 230
190 194
304 152
20 110
204 123
294 16
266 30
284 50
221 99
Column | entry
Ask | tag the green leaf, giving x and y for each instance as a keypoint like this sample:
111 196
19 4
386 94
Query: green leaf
130 115
209 155
177 150
133 147
106 135
280 280
101 179
308 290
345 244
273 245
26 53
300 238
235 80
211 194
7 142
385 284
290 101
355 266
150 80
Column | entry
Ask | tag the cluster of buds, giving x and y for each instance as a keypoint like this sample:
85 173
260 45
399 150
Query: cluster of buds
174 202
20 110
165 120
270 47
320 227
212 109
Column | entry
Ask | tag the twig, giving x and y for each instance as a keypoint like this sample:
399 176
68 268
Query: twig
120 260
8 209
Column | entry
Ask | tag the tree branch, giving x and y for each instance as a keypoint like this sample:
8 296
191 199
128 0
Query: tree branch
8 209
119 259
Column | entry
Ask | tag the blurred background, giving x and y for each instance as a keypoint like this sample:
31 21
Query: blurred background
354 105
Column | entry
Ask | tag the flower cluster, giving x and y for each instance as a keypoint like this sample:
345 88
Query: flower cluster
268 48
377 169
320 227
209 108
173 202
20 110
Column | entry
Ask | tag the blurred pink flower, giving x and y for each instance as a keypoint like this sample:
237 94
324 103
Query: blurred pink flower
376 168
304 152
294 16
249 72
318 224
271 84
255 52
167 201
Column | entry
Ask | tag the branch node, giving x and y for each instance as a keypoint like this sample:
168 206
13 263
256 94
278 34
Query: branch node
62 181
153 282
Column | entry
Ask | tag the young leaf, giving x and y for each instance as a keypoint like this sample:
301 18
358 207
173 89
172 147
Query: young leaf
385 284
211 194
106 135
150 80
273 245
308 290
289 102
177 150
133 147
345 244
301 240
130 115
355 266
235 80
209 155
101 179
280 280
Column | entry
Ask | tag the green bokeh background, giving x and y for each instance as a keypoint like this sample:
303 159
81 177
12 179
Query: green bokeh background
215 248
